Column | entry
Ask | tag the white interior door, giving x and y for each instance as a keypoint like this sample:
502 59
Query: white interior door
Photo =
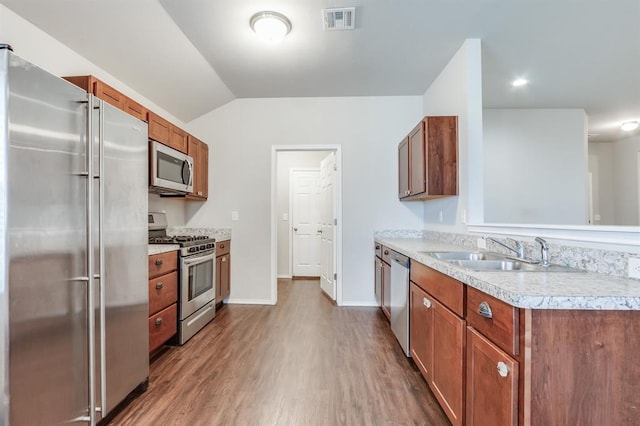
305 202
327 216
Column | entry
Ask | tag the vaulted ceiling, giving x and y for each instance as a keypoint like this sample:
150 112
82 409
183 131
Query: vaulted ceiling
192 56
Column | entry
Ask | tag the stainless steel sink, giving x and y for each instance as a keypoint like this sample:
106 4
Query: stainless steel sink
482 261
464 255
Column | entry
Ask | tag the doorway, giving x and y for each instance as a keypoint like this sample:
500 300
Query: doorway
316 169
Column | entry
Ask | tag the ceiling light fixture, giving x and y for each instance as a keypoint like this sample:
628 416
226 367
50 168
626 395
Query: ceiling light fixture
271 27
629 126
519 82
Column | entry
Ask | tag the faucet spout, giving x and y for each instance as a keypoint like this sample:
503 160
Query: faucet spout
518 249
544 249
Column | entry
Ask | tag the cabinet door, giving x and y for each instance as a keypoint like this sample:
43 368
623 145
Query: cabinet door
109 94
218 279
417 184
403 169
159 128
377 285
492 383
133 108
178 139
386 290
225 276
421 329
448 362
442 155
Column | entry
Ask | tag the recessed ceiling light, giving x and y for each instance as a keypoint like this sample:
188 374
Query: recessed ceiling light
628 126
519 82
271 27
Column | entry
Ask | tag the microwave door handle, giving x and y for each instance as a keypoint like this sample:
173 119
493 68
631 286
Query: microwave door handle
189 179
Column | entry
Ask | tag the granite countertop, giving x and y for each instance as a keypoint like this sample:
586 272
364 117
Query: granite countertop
220 234
162 248
532 290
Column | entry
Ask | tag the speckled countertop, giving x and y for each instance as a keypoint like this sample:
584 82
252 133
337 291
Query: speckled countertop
534 290
220 234
162 248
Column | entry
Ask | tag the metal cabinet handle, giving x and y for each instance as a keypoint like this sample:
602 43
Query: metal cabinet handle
221 246
159 262
377 247
426 302
159 285
386 252
224 259
485 310
199 192
159 321
319 231
503 369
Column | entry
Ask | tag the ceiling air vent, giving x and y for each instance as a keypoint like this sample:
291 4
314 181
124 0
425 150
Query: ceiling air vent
343 18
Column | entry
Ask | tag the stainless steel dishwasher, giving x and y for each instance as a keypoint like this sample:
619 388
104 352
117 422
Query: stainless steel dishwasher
400 299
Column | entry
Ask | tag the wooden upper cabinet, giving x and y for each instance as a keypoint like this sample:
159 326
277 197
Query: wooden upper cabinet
133 108
178 139
200 153
428 165
159 129
110 95
403 168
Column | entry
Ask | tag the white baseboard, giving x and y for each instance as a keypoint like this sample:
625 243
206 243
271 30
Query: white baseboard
249 302
284 276
359 303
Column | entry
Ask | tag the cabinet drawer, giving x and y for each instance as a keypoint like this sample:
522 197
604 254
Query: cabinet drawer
448 291
495 319
162 326
163 263
386 254
378 249
163 291
223 247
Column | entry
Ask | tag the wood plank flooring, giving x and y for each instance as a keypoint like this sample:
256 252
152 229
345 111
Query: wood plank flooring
302 362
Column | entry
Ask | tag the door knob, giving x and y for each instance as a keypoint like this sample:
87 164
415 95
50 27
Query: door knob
295 229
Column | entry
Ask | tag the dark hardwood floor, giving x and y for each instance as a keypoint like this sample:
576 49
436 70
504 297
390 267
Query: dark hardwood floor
302 362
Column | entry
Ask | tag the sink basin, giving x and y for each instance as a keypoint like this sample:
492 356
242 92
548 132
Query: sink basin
511 265
464 255
482 261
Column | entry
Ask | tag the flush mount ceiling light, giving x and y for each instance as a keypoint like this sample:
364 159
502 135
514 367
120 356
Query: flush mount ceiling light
629 126
271 27
518 82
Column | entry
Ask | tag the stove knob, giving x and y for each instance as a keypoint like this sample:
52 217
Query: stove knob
202 247
192 249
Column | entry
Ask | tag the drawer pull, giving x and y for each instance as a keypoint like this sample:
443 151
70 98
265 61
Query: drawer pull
485 310
159 285
221 246
159 321
159 262
426 302
503 369
377 247
224 258
386 252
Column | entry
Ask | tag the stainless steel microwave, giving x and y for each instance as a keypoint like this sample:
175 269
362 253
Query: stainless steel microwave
171 170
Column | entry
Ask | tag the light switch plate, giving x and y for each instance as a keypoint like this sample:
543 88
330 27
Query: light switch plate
482 243
634 267
235 216
285 216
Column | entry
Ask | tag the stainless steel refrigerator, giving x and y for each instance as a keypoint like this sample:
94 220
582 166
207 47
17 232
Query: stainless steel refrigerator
73 250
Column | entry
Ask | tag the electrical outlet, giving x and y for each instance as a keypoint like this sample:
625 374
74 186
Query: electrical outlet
235 216
482 243
634 267
440 217
464 216
285 216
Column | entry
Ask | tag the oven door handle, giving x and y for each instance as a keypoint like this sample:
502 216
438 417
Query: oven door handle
189 261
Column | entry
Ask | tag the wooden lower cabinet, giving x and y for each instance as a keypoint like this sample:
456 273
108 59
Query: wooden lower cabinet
223 271
437 338
492 383
382 279
163 298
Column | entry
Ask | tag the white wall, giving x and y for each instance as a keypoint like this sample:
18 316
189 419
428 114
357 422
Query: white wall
535 167
241 134
287 161
604 191
458 91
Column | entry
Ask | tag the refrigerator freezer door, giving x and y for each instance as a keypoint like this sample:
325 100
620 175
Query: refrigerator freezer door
46 236
125 182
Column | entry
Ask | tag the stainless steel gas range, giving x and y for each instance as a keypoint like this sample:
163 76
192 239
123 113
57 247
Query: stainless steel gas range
196 293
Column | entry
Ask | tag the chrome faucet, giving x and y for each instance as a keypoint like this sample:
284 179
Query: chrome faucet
544 247
518 250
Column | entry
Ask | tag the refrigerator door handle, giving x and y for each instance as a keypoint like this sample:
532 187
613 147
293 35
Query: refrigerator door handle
90 264
101 260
